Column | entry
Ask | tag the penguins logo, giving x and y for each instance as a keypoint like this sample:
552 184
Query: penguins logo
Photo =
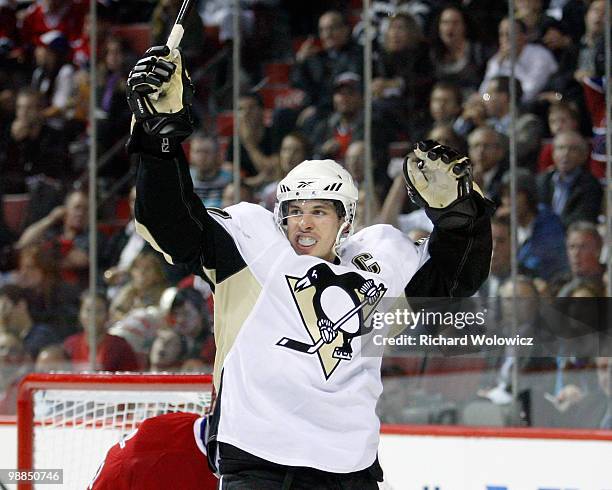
334 309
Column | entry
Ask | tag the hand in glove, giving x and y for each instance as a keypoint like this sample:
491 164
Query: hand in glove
440 180
160 93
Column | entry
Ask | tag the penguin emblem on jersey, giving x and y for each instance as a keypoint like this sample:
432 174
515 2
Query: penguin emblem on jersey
334 310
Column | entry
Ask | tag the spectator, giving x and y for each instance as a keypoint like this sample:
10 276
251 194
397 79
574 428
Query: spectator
402 74
51 300
246 194
584 244
415 222
534 63
294 149
112 114
604 379
53 77
383 11
15 317
162 21
594 22
316 68
258 150
333 135
146 285
52 358
8 28
500 259
571 13
209 178
570 189
65 230
123 247
31 146
446 135
13 367
354 161
487 150
540 233
572 381
456 56
139 328
473 115
557 39
528 324
444 103
6 238
594 89
529 128
113 353
531 13
188 316
168 352
65 16
562 116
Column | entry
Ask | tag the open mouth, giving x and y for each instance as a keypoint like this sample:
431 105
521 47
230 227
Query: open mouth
305 243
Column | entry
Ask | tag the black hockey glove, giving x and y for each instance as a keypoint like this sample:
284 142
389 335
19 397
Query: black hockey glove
440 180
160 94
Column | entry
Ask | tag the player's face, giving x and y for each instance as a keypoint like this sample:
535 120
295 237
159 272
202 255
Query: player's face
312 227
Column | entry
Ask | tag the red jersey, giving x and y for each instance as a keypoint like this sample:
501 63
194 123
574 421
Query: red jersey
113 352
595 97
165 452
69 20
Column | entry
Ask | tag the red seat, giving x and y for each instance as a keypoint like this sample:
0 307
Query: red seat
281 97
278 73
137 35
225 123
15 207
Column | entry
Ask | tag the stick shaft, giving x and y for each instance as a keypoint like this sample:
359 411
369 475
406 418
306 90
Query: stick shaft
176 35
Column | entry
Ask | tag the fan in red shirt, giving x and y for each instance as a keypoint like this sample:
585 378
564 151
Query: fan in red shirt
165 452
53 15
113 353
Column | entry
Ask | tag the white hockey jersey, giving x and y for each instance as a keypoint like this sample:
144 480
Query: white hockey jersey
287 396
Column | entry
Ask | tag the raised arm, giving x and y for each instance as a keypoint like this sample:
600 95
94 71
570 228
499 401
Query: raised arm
168 213
460 246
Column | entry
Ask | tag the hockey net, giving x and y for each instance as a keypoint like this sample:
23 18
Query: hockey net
69 421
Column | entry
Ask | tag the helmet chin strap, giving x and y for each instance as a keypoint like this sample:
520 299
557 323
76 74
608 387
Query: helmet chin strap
344 228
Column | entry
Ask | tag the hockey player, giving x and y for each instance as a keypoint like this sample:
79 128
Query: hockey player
164 452
296 401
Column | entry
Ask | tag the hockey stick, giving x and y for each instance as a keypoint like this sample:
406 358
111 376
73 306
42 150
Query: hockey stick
176 35
312 348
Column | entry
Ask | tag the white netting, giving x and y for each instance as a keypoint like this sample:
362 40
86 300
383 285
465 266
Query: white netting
74 429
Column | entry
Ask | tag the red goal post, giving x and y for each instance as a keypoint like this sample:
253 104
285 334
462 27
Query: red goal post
68 421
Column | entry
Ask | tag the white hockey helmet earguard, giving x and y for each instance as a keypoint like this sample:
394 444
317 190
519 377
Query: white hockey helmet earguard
319 179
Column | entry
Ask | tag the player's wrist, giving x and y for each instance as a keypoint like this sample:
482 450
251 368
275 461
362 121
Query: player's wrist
158 146
462 213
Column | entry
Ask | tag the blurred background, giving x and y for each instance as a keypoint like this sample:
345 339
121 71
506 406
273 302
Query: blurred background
307 86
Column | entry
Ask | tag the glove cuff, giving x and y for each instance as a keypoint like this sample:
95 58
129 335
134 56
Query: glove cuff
165 148
462 212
